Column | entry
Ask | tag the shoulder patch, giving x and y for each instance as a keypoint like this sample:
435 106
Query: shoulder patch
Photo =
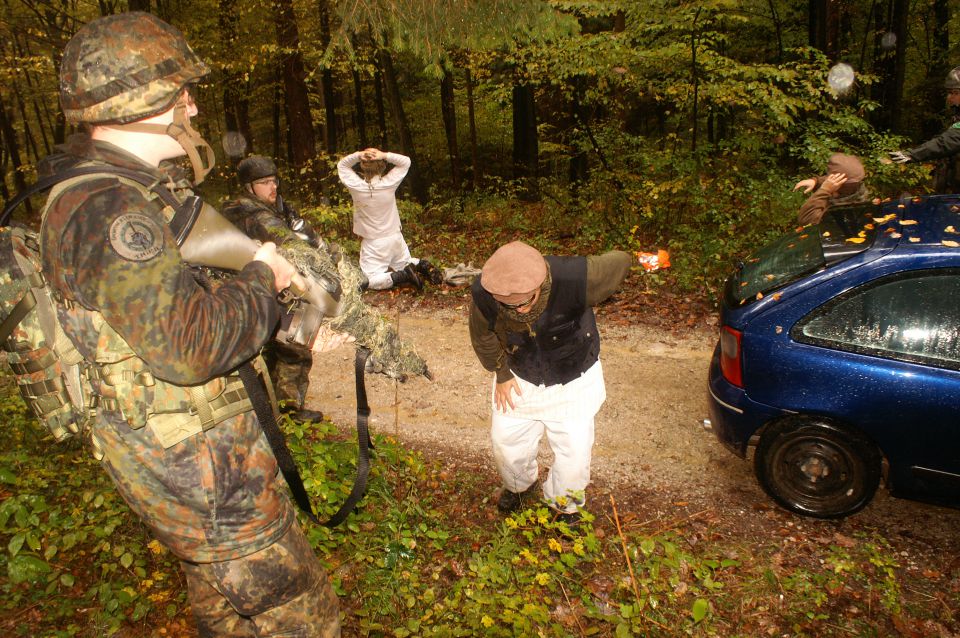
136 237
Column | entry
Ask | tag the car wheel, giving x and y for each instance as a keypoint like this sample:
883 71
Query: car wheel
815 468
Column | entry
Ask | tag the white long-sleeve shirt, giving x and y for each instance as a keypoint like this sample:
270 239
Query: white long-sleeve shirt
375 213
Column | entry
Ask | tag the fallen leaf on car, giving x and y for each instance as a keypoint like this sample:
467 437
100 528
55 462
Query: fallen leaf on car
896 235
885 218
908 222
856 240
868 226
950 243
949 229
759 296
769 277
776 296
914 239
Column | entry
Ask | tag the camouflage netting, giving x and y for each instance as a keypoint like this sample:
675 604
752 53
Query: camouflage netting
389 355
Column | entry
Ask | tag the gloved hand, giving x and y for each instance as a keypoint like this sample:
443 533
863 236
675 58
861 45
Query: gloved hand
900 157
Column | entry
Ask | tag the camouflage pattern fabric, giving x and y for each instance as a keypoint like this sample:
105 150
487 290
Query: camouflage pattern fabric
279 591
289 366
129 303
389 355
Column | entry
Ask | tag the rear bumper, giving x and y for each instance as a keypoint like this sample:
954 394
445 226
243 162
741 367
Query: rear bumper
734 418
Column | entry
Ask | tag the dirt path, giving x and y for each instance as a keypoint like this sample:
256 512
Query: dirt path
650 448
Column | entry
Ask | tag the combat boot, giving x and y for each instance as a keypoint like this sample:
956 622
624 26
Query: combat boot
407 277
429 272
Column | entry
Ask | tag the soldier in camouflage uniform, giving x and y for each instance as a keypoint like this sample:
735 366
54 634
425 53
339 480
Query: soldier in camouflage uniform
173 424
263 215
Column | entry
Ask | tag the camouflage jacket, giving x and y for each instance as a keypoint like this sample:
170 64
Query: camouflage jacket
153 335
258 220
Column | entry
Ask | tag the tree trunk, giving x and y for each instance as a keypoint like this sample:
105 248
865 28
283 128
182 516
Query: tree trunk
578 121
326 83
359 112
13 149
381 109
392 88
899 21
824 26
138 5
236 103
471 116
937 70
303 146
275 114
525 141
449 113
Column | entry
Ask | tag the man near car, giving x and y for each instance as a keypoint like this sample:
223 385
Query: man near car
943 147
263 215
173 426
384 255
532 325
842 184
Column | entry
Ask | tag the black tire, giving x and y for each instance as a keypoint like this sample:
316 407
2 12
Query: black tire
815 468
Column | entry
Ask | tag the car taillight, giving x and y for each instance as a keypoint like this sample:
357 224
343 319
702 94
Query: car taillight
730 355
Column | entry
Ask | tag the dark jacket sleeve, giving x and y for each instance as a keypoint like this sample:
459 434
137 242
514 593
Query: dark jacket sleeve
943 145
185 333
487 345
605 273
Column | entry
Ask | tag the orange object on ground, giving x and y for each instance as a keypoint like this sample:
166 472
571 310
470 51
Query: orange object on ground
654 261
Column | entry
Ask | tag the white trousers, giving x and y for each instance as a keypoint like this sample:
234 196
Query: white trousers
566 415
379 256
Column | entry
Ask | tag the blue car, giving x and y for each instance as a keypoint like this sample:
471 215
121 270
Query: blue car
839 359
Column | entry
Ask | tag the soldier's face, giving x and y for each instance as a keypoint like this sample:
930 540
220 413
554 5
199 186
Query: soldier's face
953 97
265 189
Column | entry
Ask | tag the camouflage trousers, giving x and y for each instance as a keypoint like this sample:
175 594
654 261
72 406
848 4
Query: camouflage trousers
281 590
289 368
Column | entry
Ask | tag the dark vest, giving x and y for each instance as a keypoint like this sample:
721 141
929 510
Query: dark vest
565 343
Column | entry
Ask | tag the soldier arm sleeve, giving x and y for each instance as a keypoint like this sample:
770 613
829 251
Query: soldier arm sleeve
943 145
268 227
128 267
487 346
605 273
347 175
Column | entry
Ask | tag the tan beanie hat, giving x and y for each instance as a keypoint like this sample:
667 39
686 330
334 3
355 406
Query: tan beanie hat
513 272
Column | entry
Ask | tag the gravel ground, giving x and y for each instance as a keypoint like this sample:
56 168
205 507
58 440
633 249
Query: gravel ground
651 452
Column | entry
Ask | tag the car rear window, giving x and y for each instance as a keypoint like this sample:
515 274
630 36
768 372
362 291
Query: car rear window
911 316
842 233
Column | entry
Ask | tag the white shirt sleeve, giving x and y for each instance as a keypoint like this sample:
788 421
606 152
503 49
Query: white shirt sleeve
348 176
401 165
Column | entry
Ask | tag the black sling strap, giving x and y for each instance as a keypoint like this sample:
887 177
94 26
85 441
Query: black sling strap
261 406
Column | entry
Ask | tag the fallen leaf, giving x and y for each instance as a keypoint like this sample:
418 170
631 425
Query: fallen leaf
856 240
896 235
908 222
950 243
914 240
949 229
759 296
868 226
776 296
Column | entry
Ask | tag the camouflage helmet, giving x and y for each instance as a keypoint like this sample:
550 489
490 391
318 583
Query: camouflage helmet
255 167
953 79
126 67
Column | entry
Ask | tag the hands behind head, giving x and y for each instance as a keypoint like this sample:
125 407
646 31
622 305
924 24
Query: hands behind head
283 270
807 185
371 155
833 182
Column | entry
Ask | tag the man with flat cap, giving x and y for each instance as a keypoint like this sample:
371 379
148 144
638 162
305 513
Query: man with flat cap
532 325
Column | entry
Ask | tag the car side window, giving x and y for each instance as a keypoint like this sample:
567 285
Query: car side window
911 316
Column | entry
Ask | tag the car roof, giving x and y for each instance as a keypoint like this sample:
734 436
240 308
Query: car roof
922 225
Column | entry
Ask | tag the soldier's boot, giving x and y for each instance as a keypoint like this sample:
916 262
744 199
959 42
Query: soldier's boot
407 277
429 272
514 501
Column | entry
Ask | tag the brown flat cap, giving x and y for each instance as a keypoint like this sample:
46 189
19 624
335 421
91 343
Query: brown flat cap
513 272
851 166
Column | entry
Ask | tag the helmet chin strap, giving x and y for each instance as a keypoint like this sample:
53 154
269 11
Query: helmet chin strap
185 135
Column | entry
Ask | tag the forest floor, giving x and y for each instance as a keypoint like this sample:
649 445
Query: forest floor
651 454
